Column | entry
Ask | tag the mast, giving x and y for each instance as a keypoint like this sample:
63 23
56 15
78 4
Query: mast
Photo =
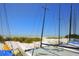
70 22
43 24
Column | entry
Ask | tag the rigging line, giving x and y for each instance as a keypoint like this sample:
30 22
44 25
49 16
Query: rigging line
33 50
7 24
1 23
74 23
6 19
59 26
43 24
70 22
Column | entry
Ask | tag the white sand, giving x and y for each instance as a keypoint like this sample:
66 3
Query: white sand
1 46
26 46
55 41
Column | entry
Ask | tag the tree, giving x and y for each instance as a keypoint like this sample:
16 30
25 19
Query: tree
73 36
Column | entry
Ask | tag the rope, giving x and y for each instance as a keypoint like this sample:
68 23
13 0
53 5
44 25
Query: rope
59 26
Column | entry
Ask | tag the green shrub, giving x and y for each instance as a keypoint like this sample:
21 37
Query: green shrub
1 39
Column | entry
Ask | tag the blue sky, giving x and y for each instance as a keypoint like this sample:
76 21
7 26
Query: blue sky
26 19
